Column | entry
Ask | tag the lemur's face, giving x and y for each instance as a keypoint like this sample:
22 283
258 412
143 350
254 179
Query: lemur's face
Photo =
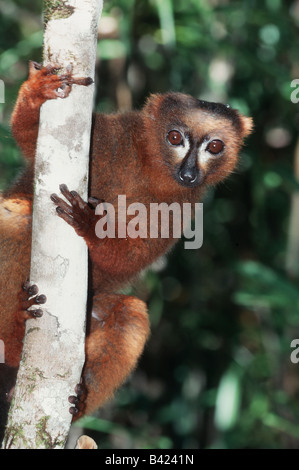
199 141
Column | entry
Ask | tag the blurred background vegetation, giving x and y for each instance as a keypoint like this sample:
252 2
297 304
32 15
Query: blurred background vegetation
216 372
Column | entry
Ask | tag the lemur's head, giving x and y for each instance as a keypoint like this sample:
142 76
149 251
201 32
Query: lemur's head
199 141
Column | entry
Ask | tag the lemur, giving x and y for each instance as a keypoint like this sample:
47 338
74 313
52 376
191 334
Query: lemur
171 150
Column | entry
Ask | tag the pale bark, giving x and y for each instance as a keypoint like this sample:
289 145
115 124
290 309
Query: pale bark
53 353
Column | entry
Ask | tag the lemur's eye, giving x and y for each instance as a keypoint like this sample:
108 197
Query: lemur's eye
175 138
215 146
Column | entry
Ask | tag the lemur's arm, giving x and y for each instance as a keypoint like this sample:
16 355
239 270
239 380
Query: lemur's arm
42 85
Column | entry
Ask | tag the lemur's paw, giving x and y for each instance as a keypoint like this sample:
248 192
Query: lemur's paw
77 213
28 298
78 400
49 84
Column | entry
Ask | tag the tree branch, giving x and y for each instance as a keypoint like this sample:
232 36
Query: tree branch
53 353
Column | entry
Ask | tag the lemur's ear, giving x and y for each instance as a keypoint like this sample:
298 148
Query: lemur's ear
247 125
152 105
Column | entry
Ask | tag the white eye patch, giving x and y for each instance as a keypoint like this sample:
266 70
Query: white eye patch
203 156
182 150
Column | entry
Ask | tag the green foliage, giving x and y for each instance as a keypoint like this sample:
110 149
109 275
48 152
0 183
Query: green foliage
216 372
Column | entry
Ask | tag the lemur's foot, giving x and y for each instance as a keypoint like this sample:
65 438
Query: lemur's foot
78 400
50 85
77 213
28 298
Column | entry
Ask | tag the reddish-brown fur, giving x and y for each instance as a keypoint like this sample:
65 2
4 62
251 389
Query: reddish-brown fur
128 157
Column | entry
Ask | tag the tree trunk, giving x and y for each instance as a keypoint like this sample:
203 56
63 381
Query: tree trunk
53 354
